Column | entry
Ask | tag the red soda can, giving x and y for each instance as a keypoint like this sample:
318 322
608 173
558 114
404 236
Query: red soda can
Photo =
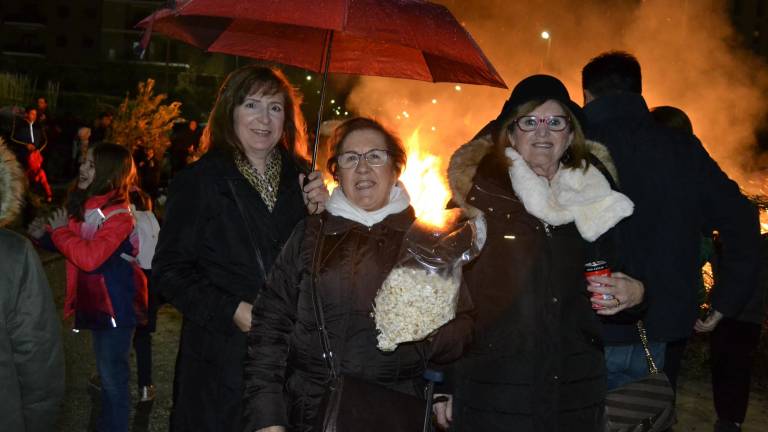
598 268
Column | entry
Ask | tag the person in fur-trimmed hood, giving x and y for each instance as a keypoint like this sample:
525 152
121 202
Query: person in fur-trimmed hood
31 357
536 363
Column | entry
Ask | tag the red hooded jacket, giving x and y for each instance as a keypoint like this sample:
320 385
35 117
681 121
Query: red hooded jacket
105 286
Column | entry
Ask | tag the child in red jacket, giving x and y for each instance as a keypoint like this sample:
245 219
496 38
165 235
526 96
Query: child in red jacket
106 289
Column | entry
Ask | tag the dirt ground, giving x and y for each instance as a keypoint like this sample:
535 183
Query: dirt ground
695 409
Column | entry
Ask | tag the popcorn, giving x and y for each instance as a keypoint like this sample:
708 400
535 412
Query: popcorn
411 304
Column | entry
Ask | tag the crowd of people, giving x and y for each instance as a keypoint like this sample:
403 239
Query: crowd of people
275 278
51 149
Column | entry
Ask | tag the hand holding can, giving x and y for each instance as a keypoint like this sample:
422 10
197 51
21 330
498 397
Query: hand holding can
597 268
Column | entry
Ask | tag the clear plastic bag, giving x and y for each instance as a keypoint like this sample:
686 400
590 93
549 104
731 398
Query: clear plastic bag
421 292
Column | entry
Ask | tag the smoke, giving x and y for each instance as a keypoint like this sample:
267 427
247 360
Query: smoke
691 59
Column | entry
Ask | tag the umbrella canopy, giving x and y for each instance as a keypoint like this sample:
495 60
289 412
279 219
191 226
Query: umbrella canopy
410 39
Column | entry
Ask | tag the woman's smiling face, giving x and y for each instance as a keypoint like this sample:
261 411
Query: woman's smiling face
542 148
366 186
259 123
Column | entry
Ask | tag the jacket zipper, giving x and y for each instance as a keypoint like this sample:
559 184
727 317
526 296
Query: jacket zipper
494 194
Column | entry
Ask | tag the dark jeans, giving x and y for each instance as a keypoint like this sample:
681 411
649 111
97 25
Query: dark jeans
732 349
626 363
112 348
142 339
142 345
673 360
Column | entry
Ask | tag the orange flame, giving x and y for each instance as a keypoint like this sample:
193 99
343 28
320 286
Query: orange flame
763 221
425 183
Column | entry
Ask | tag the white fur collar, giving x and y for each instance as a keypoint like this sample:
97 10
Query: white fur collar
573 195
339 205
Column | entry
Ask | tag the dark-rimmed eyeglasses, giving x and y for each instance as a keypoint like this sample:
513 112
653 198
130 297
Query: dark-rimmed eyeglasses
555 123
374 158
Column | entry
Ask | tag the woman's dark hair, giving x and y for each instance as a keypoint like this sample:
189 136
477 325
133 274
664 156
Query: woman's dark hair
115 171
575 156
612 72
247 80
394 144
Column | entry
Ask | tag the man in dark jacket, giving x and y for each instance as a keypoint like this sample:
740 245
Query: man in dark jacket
679 192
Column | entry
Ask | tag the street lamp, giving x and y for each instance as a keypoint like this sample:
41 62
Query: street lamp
547 36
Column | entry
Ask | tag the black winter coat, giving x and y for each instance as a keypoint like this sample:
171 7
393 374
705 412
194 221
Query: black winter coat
536 361
205 265
679 192
285 372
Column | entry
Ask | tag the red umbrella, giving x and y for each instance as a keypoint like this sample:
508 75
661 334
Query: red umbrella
391 38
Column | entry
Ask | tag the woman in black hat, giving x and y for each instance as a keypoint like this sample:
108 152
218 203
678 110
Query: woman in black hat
536 363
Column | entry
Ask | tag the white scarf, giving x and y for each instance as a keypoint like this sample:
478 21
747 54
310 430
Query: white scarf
339 205
572 195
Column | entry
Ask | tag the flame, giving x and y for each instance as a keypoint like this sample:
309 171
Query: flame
425 183
707 276
764 221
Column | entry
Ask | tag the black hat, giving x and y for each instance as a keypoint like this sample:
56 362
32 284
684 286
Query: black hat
540 87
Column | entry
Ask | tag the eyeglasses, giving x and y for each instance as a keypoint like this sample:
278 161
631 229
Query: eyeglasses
531 123
374 158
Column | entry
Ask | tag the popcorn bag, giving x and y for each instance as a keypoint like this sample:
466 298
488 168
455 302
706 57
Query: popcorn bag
421 292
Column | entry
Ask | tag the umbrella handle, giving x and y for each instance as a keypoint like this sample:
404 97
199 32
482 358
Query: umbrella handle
325 64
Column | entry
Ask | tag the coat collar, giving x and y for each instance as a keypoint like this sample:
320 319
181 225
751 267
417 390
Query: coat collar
615 106
222 163
398 222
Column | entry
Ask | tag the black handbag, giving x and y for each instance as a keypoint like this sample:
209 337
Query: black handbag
645 405
351 404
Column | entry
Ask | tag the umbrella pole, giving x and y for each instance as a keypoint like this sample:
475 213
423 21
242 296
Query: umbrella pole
325 64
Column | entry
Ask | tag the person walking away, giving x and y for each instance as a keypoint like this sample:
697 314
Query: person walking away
679 192
733 341
80 147
101 127
29 140
147 231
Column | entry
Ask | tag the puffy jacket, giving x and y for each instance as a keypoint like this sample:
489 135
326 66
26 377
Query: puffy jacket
31 356
285 372
105 286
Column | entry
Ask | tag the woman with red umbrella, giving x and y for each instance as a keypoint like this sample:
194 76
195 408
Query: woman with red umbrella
226 220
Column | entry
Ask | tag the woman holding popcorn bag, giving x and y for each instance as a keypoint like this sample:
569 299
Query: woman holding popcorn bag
318 303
